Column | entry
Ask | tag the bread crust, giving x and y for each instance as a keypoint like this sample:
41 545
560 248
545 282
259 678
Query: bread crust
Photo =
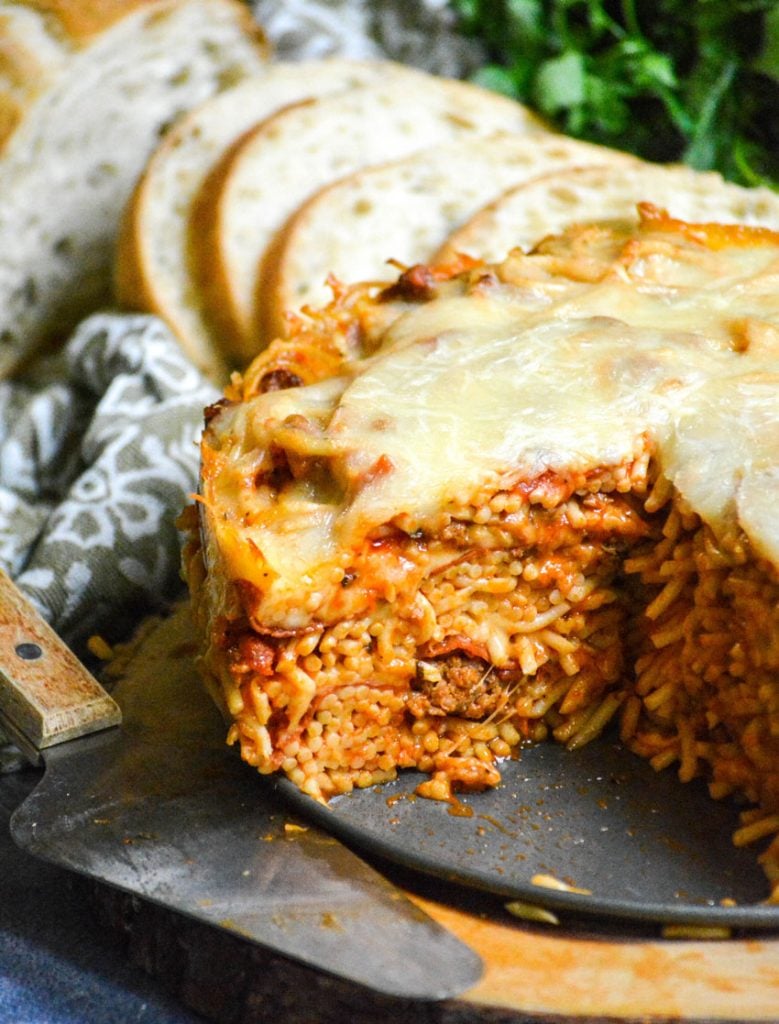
222 302
79 22
135 287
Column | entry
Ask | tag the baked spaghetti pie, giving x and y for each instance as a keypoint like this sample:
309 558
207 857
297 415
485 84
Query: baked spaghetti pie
489 505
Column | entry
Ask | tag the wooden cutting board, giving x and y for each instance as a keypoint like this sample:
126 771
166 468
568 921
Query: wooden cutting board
533 973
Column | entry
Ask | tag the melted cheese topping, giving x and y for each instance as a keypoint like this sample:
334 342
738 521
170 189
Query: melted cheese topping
564 360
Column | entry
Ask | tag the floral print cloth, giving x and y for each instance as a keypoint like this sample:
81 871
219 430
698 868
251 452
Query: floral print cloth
95 464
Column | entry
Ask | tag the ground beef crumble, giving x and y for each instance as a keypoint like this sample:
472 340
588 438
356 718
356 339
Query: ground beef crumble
455 685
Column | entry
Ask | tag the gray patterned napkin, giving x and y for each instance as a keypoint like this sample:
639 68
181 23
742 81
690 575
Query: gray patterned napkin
97 457
418 32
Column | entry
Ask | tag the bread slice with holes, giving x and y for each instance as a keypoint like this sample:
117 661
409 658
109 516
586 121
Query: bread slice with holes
402 211
548 205
152 271
287 158
121 74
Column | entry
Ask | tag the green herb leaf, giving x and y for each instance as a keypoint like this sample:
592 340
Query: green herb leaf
496 78
560 83
767 63
696 80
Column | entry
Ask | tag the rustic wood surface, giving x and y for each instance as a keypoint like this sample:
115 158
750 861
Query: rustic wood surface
581 970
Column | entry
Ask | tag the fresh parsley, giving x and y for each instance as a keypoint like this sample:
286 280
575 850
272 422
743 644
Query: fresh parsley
689 80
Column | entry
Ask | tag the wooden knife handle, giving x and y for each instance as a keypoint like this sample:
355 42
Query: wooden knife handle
46 694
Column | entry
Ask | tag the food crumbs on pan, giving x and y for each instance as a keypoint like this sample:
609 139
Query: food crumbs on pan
550 882
691 931
291 829
148 836
530 912
184 650
498 825
458 809
100 648
329 920
392 800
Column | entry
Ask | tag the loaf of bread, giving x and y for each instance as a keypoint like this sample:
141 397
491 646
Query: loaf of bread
287 158
86 91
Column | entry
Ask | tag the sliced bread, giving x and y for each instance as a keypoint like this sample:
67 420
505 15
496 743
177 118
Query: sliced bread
287 158
526 214
402 211
152 267
79 143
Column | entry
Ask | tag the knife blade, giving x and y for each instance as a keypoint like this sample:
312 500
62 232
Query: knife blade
158 806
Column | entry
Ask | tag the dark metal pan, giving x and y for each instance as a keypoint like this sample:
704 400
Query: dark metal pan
645 847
